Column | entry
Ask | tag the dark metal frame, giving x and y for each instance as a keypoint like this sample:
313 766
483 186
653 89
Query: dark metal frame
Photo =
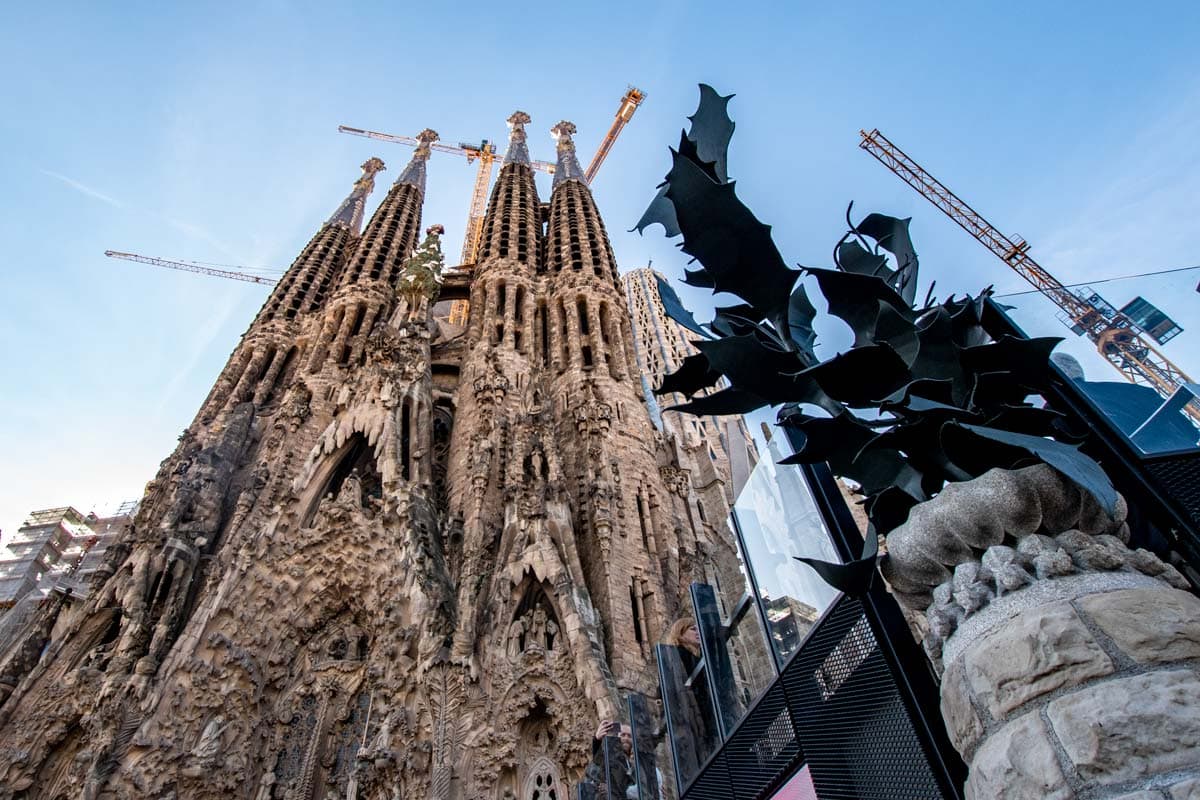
910 667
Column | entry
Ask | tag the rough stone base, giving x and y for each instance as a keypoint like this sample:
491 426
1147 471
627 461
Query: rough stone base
1090 695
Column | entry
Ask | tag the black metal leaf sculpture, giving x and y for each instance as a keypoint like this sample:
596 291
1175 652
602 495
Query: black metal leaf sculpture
944 402
675 309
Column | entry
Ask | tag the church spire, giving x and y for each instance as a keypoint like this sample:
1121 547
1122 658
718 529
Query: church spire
518 152
414 173
568 168
350 212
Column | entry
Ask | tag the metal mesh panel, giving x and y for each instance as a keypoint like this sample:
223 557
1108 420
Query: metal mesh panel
713 782
763 747
857 737
1180 477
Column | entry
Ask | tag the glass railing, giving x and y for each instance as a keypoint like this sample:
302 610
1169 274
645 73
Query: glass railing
1159 409
777 519
716 663
631 763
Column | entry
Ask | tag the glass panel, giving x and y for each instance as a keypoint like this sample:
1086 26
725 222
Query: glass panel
778 519
609 776
1162 308
653 775
618 770
738 664
687 705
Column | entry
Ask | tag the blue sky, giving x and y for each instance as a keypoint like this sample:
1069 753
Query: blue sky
209 133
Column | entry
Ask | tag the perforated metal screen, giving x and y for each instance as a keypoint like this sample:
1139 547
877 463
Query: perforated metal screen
836 708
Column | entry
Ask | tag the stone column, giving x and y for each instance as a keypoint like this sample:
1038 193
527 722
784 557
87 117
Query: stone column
1071 664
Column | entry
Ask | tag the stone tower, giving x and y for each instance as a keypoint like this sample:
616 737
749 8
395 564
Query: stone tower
720 443
391 557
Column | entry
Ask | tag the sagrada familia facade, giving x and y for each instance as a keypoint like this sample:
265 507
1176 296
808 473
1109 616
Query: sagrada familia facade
392 557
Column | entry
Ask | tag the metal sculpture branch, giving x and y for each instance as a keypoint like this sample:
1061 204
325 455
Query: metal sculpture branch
923 397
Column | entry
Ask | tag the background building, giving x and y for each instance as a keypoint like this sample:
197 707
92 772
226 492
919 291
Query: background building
661 345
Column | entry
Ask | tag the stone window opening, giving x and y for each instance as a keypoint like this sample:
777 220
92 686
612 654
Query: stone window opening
639 624
518 317
405 440
501 303
563 333
268 357
581 307
604 324
544 327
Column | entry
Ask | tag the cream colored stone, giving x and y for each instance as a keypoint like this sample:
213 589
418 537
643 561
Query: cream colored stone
1129 728
1017 763
1149 625
1185 790
962 722
1040 650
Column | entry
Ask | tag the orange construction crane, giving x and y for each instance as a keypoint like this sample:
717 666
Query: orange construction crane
1116 337
270 279
485 153
629 104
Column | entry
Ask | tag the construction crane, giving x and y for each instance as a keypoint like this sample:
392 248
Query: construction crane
1116 337
195 266
485 153
629 104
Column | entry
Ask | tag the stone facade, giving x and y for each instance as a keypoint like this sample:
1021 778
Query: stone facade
1071 664
392 557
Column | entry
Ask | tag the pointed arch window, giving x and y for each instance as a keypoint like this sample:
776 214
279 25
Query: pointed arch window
543 781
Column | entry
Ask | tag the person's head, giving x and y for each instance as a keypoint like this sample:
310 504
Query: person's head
626 737
685 634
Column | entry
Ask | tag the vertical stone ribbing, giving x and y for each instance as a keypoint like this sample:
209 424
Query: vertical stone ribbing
365 291
305 284
264 360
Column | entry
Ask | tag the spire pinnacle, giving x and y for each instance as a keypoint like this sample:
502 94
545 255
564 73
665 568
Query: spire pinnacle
414 173
568 168
350 212
518 152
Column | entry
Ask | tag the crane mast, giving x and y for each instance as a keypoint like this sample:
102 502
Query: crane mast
1116 337
629 104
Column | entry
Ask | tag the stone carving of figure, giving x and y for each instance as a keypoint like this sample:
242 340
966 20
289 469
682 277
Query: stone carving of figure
537 463
515 631
350 494
551 634
537 629
209 745
483 455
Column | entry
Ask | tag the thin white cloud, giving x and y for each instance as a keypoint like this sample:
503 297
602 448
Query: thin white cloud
200 233
1139 218
84 189
202 338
